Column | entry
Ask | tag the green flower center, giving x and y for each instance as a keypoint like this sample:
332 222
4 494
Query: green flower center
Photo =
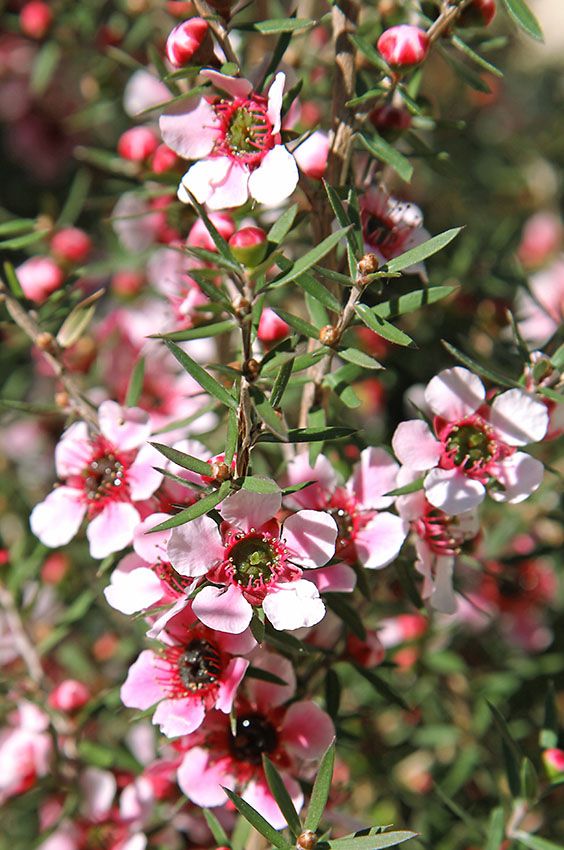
253 559
470 445
243 133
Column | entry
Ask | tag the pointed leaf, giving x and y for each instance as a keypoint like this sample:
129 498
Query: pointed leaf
423 251
182 459
200 375
199 508
255 819
524 18
371 842
385 152
283 225
402 304
280 794
298 324
321 789
311 258
198 332
216 829
382 327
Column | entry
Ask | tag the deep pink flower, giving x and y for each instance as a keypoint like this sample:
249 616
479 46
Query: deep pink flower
195 671
366 532
473 444
252 561
403 46
71 245
236 140
103 476
290 736
25 750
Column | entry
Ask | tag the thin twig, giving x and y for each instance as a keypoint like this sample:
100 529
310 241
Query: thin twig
22 643
218 28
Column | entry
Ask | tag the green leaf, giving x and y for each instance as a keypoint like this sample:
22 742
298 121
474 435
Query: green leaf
359 358
255 484
283 225
44 67
423 251
340 382
370 53
199 332
76 198
321 789
316 290
273 26
385 152
29 407
240 834
298 324
549 734
308 435
332 696
280 794
216 237
475 57
485 372
186 461
512 754
257 625
255 819
496 829
17 225
524 18
535 842
408 488
354 236
311 258
402 304
265 676
370 842
381 687
466 73
18 242
281 382
135 386
216 829
382 327
345 612
273 420
200 375
529 781
199 508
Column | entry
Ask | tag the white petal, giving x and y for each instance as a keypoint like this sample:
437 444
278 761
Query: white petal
189 128
275 179
294 605
56 519
518 418
249 510
195 547
455 393
452 491
521 475
275 95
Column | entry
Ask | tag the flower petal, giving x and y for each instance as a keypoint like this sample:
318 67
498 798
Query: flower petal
452 491
455 393
259 796
125 427
275 96
73 451
518 418
179 716
415 446
307 731
379 542
322 474
56 519
144 685
294 605
217 182
267 695
275 179
521 475
310 537
338 578
133 591
375 474
112 529
235 86
201 781
142 477
225 609
229 683
249 510
195 547
189 128
151 547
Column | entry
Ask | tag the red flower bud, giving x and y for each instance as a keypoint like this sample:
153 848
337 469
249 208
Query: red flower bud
478 13
71 245
137 144
163 159
185 40
389 119
39 277
271 327
35 19
249 245
403 46
69 696
127 283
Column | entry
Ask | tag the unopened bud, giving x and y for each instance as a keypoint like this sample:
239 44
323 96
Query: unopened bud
478 13
369 264
69 696
163 159
306 840
242 306
39 277
71 245
185 40
220 471
271 327
45 341
403 46
137 144
35 19
329 335
249 245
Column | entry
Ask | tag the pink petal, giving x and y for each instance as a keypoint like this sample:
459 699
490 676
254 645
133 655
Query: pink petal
56 519
266 695
379 542
142 477
249 510
518 418
224 609
177 717
311 155
73 451
412 505
415 446
112 529
145 682
452 491
521 475
125 427
235 86
275 96
258 795
316 495
229 683
189 128
240 644
195 547
157 630
375 474
130 592
202 781
276 177
443 598
217 182
338 578
151 547
294 605
307 731
310 537
142 91
455 393
98 791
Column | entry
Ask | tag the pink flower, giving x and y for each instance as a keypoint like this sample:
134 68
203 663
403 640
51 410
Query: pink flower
541 238
39 277
35 19
271 327
25 750
311 155
290 736
553 760
252 561
472 444
541 313
196 671
403 46
69 695
137 144
367 534
391 227
102 477
237 142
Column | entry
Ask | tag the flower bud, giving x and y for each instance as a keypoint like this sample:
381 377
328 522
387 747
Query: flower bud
368 264
390 120
164 159
553 760
271 328
69 696
39 277
185 40
71 245
249 245
479 13
35 19
312 154
403 46
199 236
137 144
127 283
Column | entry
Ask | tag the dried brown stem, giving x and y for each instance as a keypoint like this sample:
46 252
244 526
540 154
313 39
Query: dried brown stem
218 28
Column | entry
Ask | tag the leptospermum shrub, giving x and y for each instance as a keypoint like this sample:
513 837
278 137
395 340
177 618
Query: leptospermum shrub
282 397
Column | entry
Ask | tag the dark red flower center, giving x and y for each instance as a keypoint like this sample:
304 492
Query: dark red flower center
254 735
199 665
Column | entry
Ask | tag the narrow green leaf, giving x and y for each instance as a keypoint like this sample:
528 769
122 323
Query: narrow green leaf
186 461
199 508
135 386
298 324
370 53
512 754
257 625
321 789
316 290
76 198
214 233
216 829
283 225
359 358
408 488
549 734
240 834
259 485
273 420
17 225
231 437
382 327
44 66
402 304
273 26
18 242
205 380
354 236
12 280
496 829
386 152
332 695
311 258
281 382
29 407
484 371
535 842
423 251
345 612
198 332
381 687
280 794
466 73
529 781
475 57
371 842
255 819
306 435
524 18
264 676
340 382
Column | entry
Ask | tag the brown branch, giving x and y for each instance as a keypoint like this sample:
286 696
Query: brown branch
22 643
51 352
344 18
218 28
